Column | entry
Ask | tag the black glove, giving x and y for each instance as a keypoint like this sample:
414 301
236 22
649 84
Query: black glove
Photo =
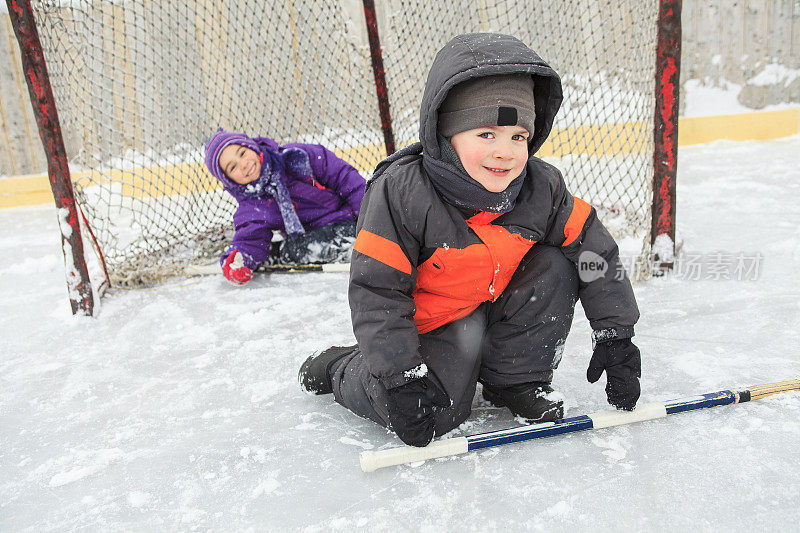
622 362
411 410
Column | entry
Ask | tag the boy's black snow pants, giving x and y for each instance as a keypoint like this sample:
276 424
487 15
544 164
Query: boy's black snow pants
518 338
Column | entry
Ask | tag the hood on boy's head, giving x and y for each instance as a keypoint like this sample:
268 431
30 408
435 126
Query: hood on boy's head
214 146
476 55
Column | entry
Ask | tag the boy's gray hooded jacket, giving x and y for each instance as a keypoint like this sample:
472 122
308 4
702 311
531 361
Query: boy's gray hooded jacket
417 258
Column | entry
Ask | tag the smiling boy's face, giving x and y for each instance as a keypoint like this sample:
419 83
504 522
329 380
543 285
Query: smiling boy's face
241 164
493 155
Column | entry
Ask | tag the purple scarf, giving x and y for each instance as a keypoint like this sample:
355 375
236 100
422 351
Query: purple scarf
271 180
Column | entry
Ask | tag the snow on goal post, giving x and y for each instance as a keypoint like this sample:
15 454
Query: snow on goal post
140 84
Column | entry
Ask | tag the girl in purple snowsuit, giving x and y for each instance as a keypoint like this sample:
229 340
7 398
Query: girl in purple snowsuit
303 191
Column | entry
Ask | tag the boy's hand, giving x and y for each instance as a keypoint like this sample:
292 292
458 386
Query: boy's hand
233 268
411 410
622 362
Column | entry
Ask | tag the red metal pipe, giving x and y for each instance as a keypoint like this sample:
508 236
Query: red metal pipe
44 109
380 76
665 154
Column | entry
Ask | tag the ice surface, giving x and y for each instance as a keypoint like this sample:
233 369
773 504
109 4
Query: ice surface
178 407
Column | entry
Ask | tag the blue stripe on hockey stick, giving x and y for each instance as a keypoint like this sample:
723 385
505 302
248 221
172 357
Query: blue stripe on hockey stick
507 436
714 399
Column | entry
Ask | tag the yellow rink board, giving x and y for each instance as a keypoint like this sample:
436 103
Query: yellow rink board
597 140
755 126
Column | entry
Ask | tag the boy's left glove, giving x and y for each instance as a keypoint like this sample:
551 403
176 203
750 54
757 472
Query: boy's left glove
622 362
233 268
411 410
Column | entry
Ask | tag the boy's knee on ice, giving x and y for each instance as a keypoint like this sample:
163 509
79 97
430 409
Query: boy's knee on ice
452 358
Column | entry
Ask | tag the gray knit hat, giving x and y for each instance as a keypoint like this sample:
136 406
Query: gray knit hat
504 100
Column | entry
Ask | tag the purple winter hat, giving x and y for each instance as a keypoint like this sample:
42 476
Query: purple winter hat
217 142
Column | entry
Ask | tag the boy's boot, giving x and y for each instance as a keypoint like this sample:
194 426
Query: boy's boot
315 373
536 401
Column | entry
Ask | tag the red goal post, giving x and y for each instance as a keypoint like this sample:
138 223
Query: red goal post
44 109
140 84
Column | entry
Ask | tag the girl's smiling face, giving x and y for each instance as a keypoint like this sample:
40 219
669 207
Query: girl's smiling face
241 164
493 155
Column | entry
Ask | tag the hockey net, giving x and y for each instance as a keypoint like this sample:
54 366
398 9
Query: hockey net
140 84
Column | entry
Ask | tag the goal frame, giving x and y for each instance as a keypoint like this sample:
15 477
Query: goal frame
80 292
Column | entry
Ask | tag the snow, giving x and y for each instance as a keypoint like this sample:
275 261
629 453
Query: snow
664 248
704 98
178 407
774 74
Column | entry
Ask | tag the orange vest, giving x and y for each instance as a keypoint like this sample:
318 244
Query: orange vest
452 283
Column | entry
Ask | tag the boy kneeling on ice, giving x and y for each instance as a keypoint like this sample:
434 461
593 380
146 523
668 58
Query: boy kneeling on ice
465 262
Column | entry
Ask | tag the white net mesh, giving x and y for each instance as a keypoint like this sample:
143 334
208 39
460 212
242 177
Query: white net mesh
140 84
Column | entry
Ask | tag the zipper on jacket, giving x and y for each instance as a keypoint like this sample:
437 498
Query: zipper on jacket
494 264
496 267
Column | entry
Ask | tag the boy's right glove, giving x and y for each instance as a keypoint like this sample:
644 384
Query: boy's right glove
411 410
233 268
622 362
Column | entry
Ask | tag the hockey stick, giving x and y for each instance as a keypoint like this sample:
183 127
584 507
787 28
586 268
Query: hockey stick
214 268
372 460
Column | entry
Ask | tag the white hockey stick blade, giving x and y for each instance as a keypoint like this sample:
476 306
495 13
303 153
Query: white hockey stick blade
336 267
372 460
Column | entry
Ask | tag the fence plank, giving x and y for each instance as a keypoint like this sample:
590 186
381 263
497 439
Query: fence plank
21 148
794 52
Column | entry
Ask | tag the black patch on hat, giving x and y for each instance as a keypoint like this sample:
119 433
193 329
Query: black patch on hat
506 116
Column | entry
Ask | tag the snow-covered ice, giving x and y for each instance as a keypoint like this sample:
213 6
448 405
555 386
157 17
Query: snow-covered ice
178 407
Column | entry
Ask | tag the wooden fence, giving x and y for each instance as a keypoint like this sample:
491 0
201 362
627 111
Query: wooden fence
20 148
753 43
